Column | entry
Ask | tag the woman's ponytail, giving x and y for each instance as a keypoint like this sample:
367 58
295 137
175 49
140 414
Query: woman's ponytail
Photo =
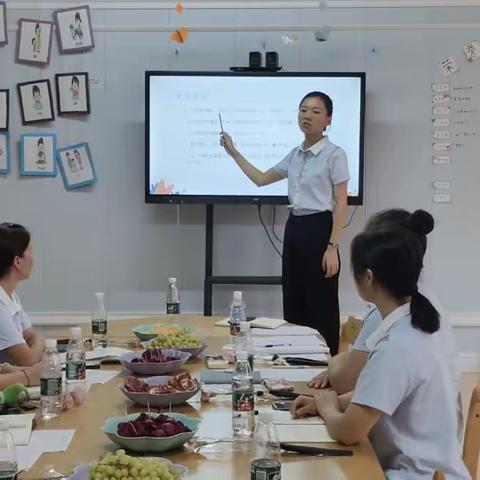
424 315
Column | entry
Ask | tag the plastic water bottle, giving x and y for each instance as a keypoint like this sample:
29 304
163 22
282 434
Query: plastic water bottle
266 453
245 342
8 452
237 315
99 321
243 397
50 381
173 297
76 363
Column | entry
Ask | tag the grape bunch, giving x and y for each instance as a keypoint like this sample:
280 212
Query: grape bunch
119 466
182 339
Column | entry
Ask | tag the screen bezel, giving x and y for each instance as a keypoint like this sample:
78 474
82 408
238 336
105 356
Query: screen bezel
245 199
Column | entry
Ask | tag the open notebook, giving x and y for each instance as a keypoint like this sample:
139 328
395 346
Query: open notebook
20 427
259 322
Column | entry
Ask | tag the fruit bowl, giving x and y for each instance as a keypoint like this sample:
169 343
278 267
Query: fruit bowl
150 444
155 368
148 332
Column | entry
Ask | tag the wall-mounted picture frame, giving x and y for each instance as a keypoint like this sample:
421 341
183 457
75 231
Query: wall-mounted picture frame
74 29
3 24
37 154
76 166
4 109
4 153
34 42
73 94
36 101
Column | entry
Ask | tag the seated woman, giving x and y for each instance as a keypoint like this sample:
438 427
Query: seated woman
404 398
19 344
27 376
344 368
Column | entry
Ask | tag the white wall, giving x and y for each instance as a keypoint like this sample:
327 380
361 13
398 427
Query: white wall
106 238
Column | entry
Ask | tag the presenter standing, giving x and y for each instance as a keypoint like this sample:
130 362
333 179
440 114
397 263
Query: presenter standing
317 173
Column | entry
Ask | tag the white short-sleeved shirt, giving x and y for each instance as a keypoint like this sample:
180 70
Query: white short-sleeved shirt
312 174
406 379
13 322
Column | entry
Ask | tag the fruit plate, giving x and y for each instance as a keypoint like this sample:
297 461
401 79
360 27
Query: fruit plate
148 332
151 444
158 400
178 471
155 368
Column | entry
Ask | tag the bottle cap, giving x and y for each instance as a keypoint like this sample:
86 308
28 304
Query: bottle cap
242 355
51 343
75 332
99 295
172 279
237 295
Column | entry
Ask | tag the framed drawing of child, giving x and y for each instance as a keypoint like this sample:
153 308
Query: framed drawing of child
37 154
74 29
36 104
34 42
72 93
76 166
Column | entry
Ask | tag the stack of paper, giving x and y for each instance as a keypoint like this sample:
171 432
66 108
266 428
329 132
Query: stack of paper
259 322
289 345
290 374
303 433
285 418
113 353
20 427
285 330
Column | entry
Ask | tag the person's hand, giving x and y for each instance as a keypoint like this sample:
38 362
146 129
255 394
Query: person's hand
319 381
7 368
303 407
326 399
330 262
34 374
227 143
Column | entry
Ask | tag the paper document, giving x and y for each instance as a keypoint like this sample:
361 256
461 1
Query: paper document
101 376
287 341
296 350
285 330
304 433
311 356
259 322
43 441
100 353
279 417
20 427
291 374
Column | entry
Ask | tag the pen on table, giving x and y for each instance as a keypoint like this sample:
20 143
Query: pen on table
279 345
221 124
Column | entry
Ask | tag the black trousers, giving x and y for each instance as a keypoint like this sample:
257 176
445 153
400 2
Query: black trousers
308 297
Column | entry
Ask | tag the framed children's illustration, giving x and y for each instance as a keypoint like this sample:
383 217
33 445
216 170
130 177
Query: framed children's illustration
76 166
74 29
34 42
37 154
36 103
4 153
4 109
3 24
72 93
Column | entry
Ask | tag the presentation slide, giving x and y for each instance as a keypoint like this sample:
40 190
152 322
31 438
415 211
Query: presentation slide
259 112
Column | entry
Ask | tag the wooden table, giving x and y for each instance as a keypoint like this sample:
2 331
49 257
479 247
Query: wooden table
103 401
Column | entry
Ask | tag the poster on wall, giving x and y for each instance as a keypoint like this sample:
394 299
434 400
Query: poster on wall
36 103
3 24
4 109
72 93
76 166
4 153
37 154
34 42
74 29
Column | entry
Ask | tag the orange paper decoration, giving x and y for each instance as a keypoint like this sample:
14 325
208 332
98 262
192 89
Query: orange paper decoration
179 36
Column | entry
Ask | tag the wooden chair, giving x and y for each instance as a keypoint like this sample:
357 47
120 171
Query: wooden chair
349 332
471 443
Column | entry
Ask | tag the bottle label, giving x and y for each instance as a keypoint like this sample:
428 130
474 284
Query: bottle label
234 329
243 401
99 327
265 469
173 308
75 371
50 386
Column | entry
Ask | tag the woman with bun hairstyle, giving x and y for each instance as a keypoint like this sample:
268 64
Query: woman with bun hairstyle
403 398
344 369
